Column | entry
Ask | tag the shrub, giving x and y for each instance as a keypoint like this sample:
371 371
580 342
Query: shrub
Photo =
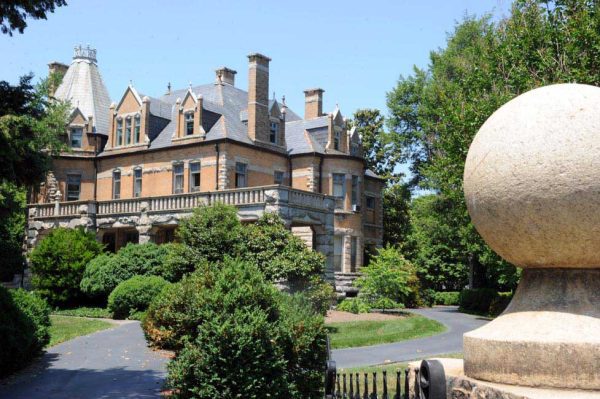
386 303
390 276
320 294
58 264
24 323
477 300
233 325
427 297
500 303
84 312
446 298
134 295
277 252
354 305
105 272
211 233
181 308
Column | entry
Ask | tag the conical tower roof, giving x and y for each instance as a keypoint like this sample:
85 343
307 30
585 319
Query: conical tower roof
82 85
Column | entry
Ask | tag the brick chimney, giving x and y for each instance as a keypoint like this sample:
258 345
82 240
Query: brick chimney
56 68
225 75
313 103
258 97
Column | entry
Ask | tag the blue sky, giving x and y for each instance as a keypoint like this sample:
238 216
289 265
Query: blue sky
355 50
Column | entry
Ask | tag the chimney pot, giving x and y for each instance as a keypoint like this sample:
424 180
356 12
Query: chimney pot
225 75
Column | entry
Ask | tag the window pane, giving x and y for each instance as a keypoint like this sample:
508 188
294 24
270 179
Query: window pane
76 136
116 184
273 132
194 176
278 177
195 167
355 193
128 131
137 182
178 178
339 182
241 178
189 123
370 202
119 132
136 135
73 187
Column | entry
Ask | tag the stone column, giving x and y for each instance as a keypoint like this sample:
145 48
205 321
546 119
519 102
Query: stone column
144 226
347 253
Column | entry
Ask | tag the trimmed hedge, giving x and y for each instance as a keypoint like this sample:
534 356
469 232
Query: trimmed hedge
134 295
446 298
484 301
24 328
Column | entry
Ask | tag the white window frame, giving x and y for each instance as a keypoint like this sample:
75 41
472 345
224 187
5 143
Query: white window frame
137 188
137 127
119 134
192 186
189 122
116 184
178 176
70 183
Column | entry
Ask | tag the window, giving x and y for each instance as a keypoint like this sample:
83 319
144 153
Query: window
274 131
241 175
128 130
119 132
76 136
354 150
194 176
137 182
73 187
116 184
336 140
189 123
353 252
178 178
337 253
278 177
339 185
370 202
137 129
355 192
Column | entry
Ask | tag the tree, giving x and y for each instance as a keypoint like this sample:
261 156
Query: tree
396 220
436 112
13 13
379 149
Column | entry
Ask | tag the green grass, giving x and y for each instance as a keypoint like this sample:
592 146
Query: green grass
364 333
84 312
64 328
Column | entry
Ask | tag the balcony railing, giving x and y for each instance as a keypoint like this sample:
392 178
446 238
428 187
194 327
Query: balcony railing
250 196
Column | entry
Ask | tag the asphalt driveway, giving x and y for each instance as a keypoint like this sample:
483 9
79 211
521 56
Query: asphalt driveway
448 342
113 363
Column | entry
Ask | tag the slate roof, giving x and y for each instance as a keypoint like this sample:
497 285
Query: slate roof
82 85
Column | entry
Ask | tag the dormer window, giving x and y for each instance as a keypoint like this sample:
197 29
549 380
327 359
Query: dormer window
189 123
274 131
336 140
128 130
119 132
137 129
76 137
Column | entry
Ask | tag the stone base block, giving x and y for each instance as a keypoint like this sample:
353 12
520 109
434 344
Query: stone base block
459 386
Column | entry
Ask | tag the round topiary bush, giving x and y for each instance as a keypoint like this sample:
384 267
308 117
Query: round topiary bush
24 323
134 295
105 272
58 264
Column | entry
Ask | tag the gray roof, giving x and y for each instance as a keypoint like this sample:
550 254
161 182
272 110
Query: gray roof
82 85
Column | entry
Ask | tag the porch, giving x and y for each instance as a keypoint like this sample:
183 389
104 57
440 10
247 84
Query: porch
151 219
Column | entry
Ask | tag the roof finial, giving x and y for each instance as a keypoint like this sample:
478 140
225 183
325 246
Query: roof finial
283 100
190 85
130 82
169 88
274 96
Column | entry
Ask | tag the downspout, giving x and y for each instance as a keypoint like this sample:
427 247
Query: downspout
321 174
217 166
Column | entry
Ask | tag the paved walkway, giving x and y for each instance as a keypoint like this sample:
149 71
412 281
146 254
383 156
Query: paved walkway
449 342
113 363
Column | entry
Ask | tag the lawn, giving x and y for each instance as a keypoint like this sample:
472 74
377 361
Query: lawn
364 333
64 328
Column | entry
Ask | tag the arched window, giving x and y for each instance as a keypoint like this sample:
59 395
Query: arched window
137 129
189 123
128 130
119 132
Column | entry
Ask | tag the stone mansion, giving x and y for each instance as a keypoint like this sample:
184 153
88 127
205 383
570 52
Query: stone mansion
138 165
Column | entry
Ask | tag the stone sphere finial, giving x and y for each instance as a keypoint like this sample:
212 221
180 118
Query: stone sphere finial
532 178
532 187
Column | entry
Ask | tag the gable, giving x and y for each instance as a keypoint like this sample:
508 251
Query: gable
130 102
77 117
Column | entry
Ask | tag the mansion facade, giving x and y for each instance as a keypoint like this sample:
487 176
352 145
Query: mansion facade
137 166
